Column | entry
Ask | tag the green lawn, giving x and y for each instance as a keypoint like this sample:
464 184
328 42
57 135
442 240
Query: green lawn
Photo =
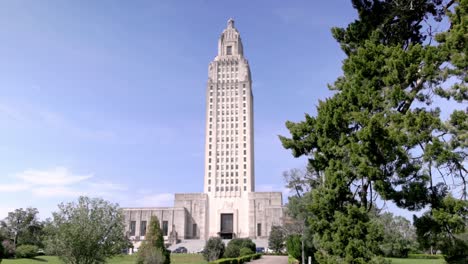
125 259
185 259
416 261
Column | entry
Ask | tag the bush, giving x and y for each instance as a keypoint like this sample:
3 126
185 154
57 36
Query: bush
8 248
214 249
234 246
294 246
26 251
239 260
425 256
151 256
232 251
245 252
2 252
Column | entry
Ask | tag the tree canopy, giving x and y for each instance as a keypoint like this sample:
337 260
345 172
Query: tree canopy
383 135
86 232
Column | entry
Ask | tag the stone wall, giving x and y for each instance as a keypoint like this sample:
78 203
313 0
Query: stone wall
175 217
196 205
265 211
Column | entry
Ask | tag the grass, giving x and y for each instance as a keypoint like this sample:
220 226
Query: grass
416 261
124 259
184 259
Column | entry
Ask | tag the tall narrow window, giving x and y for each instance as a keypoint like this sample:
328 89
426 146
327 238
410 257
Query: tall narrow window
165 228
229 50
259 229
142 228
132 228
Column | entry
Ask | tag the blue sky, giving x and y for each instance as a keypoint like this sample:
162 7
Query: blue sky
106 98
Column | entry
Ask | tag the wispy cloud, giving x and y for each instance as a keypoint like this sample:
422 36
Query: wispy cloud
59 182
55 176
14 187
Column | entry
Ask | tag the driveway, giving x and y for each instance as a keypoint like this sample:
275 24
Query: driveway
268 259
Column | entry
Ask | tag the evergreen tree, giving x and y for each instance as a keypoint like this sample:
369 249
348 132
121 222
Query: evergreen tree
276 239
381 134
152 250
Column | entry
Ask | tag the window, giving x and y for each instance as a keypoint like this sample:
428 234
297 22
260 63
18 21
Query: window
194 230
245 188
229 50
142 228
132 228
165 228
259 229
245 180
209 189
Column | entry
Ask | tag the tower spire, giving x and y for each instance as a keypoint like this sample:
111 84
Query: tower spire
230 23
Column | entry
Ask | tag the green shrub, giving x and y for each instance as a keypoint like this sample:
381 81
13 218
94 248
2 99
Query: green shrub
235 245
26 251
232 251
8 248
292 260
425 256
2 252
245 252
294 246
214 249
239 260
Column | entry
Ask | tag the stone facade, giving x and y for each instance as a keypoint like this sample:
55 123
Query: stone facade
229 206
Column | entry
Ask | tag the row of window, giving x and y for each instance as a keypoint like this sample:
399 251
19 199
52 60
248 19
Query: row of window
227 160
232 125
227 174
231 153
227 181
226 69
232 112
132 231
227 167
228 188
220 87
222 120
228 93
232 75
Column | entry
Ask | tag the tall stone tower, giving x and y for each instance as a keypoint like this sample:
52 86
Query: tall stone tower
229 206
229 146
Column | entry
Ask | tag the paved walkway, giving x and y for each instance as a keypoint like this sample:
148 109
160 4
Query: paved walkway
268 259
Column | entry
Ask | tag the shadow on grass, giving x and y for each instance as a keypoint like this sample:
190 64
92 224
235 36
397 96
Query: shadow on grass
39 259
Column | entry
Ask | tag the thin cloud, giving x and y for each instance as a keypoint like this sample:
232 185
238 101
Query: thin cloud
14 187
55 176
60 182
57 191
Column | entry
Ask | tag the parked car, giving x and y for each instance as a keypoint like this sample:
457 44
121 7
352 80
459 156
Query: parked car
260 250
180 250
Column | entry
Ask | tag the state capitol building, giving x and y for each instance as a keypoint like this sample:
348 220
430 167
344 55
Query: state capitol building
229 207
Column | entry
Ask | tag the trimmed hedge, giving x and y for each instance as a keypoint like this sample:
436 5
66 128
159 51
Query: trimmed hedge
292 260
239 260
425 256
26 251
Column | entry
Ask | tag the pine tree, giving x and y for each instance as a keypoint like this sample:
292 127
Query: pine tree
152 250
381 135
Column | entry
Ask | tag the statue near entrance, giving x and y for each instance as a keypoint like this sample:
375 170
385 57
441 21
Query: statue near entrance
173 236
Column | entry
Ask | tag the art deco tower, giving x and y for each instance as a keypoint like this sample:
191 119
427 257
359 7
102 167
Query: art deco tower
229 147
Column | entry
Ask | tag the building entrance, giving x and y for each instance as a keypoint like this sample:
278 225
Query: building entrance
227 223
